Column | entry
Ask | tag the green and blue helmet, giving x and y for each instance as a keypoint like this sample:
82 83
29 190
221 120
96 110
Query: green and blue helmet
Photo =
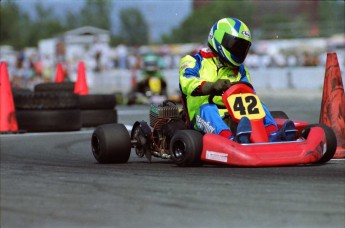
230 40
150 62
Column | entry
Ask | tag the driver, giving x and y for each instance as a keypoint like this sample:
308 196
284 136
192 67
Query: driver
214 69
151 69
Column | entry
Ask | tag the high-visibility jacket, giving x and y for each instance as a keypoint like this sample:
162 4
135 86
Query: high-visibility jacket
204 66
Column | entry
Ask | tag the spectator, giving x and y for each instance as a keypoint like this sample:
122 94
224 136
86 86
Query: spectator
122 53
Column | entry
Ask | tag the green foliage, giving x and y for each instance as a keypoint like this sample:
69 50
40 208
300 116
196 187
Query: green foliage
134 29
280 26
42 29
266 19
332 17
20 30
11 28
196 27
96 13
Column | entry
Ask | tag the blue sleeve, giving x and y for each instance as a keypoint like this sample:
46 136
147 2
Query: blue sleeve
269 120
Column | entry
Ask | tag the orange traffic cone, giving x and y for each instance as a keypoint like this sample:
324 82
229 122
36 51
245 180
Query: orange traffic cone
80 86
59 76
332 111
8 120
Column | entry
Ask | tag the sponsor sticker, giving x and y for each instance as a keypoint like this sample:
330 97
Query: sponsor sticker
246 34
204 125
216 156
185 65
210 35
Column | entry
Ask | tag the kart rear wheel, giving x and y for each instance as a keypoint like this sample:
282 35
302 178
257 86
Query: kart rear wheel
186 148
279 114
111 143
141 133
331 141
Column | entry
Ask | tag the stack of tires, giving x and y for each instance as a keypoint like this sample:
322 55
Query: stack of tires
55 107
48 108
97 109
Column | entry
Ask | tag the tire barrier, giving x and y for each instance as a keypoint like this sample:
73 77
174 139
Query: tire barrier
97 109
47 111
45 100
55 107
93 118
97 101
55 87
49 120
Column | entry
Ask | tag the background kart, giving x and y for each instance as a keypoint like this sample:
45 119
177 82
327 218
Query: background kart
147 91
168 137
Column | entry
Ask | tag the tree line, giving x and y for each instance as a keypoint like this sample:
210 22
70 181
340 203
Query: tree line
267 20
20 29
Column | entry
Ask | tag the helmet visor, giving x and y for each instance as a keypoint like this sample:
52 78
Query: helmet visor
236 46
151 66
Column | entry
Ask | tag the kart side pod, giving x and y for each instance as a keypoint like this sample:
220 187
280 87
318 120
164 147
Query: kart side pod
217 149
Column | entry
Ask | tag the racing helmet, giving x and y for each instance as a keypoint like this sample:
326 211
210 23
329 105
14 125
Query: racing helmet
230 40
151 62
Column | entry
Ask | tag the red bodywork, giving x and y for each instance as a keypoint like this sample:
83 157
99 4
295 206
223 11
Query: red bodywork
261 152
217 149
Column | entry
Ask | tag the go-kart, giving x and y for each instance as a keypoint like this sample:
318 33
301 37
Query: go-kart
168 137
150 90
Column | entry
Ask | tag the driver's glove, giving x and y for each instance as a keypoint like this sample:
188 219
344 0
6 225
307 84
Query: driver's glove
218 87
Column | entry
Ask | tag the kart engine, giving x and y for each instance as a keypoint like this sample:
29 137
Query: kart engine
160 115
165 120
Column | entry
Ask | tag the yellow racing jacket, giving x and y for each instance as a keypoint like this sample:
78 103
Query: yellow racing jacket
204 66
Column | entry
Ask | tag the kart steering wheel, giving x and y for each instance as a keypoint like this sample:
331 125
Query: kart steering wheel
212 94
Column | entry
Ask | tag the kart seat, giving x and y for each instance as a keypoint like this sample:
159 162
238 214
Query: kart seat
185 115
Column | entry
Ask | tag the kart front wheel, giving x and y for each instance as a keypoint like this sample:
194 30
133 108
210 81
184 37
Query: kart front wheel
111 143
186 148
331 141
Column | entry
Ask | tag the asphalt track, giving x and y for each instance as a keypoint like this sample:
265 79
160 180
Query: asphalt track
52 180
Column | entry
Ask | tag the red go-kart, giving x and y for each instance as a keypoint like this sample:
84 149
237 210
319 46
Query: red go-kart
168 137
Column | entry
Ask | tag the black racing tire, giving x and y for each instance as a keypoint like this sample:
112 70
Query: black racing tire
97 101
49 120
53 86
111 143
279 114
186 148
93 118
331 141
16 90
45 100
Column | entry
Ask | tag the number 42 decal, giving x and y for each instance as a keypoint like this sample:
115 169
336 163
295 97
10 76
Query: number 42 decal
246 104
